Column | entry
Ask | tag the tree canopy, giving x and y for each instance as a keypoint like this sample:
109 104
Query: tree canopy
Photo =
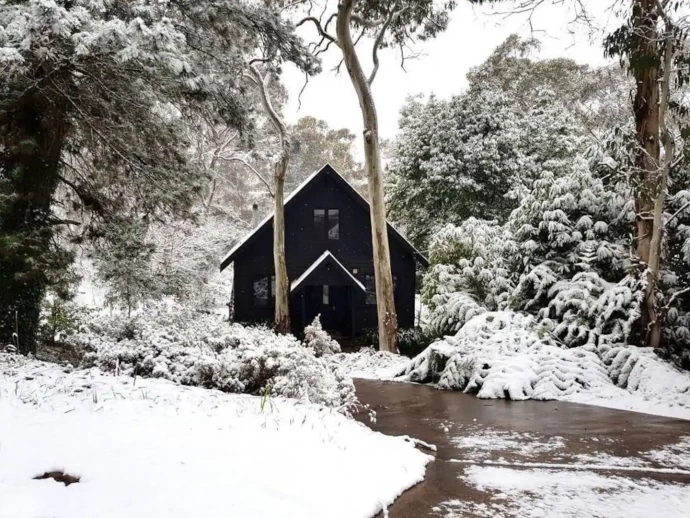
95 99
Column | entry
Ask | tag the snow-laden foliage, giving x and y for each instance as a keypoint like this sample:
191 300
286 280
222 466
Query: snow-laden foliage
467 259
587 309
640 370
473 156
451 311
96 101
192 348
506 354
368 363
511 355
319 340
562 256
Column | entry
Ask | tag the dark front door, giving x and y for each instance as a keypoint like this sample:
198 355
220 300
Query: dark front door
332 303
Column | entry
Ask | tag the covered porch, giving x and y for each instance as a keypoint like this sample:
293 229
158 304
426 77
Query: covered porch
327 289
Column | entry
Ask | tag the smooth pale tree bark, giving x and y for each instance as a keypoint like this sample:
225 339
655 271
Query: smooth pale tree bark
651 109
282 308
664 167
385 300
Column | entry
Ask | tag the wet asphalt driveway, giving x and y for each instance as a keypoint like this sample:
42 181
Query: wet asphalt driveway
582 436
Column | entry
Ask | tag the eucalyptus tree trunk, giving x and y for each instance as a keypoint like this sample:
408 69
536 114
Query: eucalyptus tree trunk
385 300
282 289
650 193
282 308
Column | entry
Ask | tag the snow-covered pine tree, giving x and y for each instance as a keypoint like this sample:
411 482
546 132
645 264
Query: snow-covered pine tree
94 100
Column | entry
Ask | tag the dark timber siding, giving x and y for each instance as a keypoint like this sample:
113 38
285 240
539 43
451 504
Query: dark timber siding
303 247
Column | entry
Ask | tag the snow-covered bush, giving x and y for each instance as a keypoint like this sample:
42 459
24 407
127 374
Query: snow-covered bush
451 311
368 363
562 256
587 309
507 355
192 348
319 340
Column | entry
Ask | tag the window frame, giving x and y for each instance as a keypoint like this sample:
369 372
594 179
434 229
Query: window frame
322 233
270 290
328 224
324 225
370 296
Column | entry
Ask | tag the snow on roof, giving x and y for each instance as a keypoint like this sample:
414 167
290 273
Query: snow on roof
228 257
326 255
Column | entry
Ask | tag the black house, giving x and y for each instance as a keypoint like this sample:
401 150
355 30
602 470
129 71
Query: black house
329 261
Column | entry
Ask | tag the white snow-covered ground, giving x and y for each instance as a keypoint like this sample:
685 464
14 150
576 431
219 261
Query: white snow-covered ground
368 364
528 475
149 448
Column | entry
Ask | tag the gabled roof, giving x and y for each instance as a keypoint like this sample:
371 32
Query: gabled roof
323 259
344 184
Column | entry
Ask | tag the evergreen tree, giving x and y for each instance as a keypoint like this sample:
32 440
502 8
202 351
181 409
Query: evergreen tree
473 156
94 97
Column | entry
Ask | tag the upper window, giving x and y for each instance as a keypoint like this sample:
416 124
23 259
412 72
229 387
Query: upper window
327 223
319 222
333 224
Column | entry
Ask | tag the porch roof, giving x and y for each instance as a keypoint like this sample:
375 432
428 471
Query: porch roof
325 258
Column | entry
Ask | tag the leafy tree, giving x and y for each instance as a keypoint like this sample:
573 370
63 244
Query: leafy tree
598 98
125 266
652 43
474 156
93 99
315 144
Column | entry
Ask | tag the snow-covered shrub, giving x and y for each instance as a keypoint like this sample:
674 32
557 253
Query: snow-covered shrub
563 256
193 348
506 355
639 369
471 257
319 340
368 363
587 309
451 311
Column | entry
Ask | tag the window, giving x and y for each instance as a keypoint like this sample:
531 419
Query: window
326 293
370 286
319 222
327 223
333 224
263 293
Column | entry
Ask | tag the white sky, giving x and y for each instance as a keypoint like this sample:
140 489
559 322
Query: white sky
471 37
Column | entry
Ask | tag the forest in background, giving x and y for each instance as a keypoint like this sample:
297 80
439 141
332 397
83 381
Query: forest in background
151 140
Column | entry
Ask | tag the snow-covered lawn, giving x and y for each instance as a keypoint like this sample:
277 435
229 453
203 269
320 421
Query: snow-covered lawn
368 364
150 447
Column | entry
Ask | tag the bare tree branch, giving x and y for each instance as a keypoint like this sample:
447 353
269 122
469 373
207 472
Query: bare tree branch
252 169
379 39
317 23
